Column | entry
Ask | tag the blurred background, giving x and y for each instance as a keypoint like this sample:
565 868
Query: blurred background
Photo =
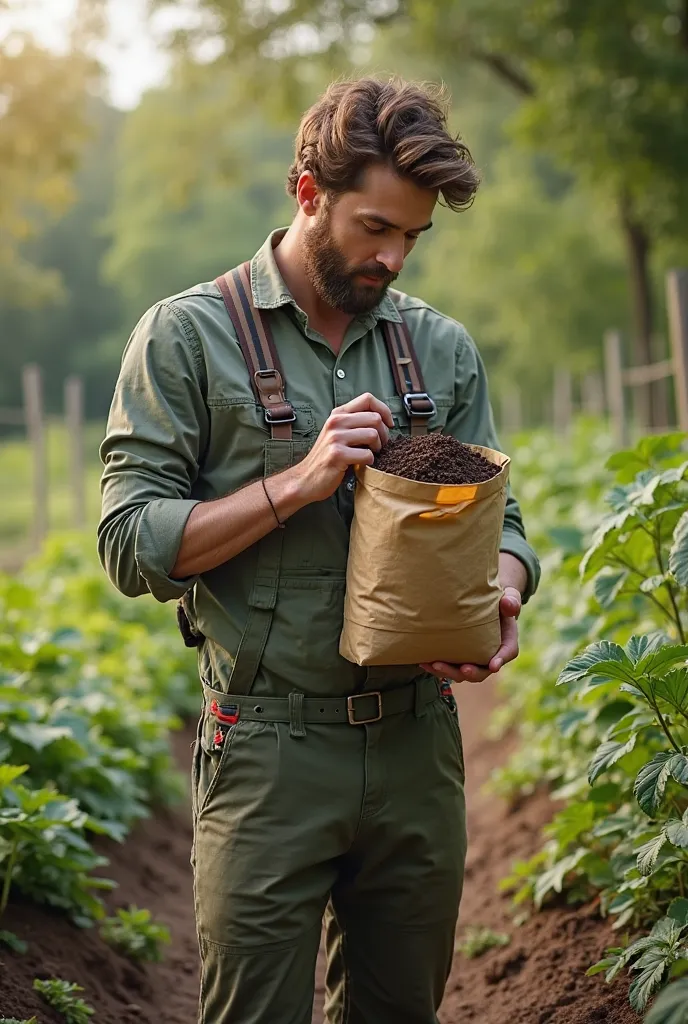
144 147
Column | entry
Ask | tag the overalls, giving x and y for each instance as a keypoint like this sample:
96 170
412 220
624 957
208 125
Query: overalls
350 806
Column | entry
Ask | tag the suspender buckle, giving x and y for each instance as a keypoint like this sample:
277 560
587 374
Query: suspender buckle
419 404
271 390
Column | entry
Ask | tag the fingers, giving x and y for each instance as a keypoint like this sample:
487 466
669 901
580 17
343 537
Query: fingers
457 673
510 603
341 422
369 403
509 649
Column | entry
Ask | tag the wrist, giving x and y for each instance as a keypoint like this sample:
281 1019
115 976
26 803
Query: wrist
286 493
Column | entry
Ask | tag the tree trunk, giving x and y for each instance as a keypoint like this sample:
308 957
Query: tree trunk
650 411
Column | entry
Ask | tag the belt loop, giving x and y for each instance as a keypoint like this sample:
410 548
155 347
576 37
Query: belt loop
418 702
297 729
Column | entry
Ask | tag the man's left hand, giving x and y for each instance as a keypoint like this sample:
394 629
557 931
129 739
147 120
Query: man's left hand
512 573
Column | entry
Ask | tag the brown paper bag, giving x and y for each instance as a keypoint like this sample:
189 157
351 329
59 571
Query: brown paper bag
422 579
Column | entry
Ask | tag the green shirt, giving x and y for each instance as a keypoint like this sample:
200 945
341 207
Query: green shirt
184 427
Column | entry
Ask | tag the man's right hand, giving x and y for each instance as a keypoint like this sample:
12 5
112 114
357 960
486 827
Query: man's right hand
351 436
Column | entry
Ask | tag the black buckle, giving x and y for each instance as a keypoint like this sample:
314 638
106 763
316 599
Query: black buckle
351 711
420 396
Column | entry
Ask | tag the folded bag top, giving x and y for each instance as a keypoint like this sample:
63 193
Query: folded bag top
423 569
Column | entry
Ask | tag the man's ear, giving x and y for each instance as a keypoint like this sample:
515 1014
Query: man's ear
308 195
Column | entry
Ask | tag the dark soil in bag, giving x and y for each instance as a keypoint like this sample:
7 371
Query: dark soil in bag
434 459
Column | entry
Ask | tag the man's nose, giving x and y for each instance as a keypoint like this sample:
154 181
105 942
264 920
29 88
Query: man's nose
392 257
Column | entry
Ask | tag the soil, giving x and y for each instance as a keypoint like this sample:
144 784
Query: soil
434 459
538 979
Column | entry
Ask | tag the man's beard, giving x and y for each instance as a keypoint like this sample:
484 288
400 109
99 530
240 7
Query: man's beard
333 280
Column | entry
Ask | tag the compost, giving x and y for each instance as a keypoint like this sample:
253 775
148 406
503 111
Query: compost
434 459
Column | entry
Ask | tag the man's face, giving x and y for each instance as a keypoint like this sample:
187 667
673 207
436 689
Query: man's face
357 242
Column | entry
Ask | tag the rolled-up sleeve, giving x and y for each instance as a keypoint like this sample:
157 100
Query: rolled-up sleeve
157 428
471 421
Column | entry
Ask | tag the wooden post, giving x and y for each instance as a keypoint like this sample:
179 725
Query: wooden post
593 394
677 307
74 415
563 400
35 426
613 383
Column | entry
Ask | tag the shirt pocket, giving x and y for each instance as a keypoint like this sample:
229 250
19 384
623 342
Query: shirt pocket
316 538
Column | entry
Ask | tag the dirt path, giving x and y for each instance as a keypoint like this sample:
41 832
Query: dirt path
538 979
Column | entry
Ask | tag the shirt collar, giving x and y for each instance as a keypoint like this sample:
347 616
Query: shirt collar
270 291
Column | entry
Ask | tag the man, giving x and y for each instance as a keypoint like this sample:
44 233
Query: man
308 794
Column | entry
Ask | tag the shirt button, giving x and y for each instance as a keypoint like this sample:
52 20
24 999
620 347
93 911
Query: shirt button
350 485
341 374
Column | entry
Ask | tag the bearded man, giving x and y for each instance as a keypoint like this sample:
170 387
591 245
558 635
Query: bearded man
320 789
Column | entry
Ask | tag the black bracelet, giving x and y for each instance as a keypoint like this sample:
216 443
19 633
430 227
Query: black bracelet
279 523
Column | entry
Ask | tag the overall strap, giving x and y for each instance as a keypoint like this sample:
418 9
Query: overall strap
258 348
408 377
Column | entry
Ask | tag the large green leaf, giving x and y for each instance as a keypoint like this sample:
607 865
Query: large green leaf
607 754
608 584
679 768
605 539
678 910
648 853
645 986
660 656
673 688
37 735
671 1005
604 659
678 555
676 831
651 781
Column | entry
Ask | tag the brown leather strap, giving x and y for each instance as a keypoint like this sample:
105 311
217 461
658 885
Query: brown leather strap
258 348
408 377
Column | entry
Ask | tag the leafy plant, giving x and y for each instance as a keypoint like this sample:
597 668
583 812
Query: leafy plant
612 738
61 996
477 941
13 1020
671 1006
13 942
653 957
135 934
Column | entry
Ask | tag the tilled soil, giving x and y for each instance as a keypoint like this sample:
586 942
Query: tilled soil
538 979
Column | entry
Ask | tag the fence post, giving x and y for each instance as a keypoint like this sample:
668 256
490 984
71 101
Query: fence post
74 415
563 400
593 394
613 382
677 307
35 425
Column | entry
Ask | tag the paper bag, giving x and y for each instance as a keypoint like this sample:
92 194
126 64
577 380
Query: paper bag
422 578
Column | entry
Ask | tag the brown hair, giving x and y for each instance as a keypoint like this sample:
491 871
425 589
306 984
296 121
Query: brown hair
358 123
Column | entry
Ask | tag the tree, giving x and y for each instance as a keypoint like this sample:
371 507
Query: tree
603 84
42 131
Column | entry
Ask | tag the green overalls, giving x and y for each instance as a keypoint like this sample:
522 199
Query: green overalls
309 803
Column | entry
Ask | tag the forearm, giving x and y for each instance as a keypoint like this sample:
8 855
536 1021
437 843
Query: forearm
512 572
218 530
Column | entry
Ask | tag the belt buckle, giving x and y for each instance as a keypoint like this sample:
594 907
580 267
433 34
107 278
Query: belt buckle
350 710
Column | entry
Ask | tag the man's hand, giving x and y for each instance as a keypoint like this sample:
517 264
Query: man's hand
514 579
351 436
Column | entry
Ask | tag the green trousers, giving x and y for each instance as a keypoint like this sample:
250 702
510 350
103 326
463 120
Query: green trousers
363 825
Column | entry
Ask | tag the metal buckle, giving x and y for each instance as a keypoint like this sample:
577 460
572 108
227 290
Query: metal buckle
422 396
351 711
271 418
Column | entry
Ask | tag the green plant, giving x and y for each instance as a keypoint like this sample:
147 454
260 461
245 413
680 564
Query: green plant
612 738
663 953
135 934
13 1020
671 1006
90 686
477 941
13 942
60 995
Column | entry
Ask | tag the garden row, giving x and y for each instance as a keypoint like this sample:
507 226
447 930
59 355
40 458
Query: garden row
90 686
600 697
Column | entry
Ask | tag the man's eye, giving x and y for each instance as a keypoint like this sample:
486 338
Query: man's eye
373 231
